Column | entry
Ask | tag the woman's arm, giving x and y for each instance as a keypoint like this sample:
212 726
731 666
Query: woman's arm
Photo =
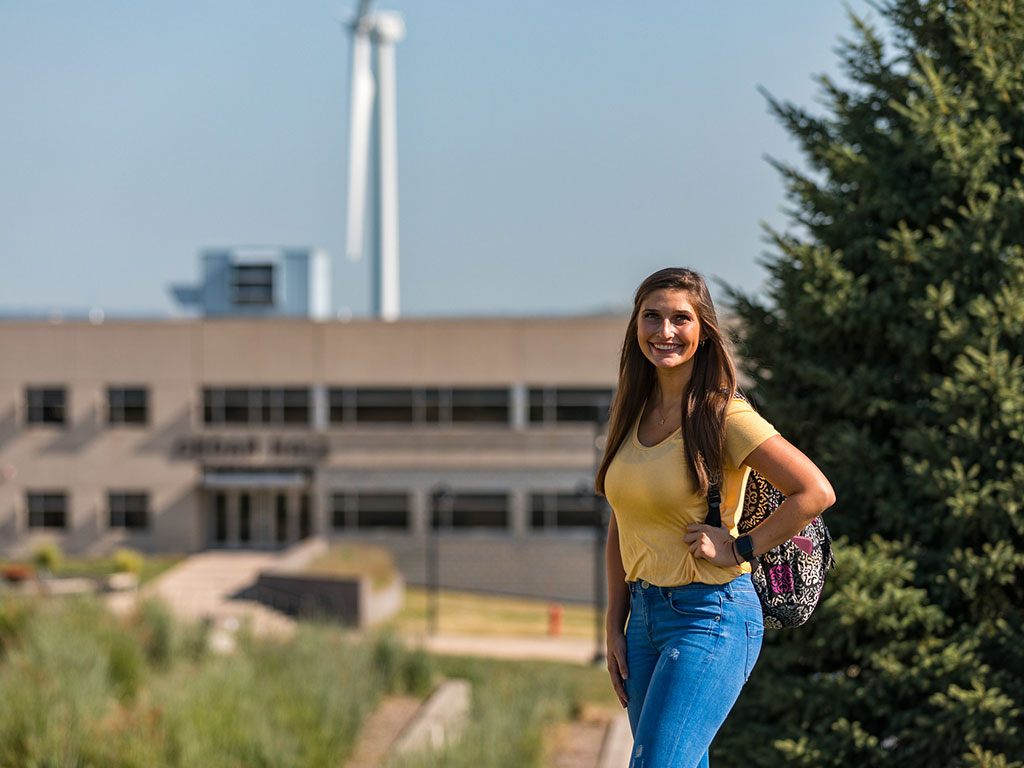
808 491
808 494
618 611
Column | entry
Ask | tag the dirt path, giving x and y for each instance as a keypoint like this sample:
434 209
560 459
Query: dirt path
599 739
578 745
381 729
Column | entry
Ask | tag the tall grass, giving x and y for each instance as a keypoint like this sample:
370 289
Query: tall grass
81 688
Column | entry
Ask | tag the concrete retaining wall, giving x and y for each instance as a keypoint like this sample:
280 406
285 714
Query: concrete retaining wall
352 600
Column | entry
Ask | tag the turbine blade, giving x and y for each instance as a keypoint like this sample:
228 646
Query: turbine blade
363 88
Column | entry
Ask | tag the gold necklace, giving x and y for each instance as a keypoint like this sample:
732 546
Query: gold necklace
657 409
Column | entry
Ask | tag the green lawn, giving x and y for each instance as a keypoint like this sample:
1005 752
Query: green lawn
100 568
351 559
482 614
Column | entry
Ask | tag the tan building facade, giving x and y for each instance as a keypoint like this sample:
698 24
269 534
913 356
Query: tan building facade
474 436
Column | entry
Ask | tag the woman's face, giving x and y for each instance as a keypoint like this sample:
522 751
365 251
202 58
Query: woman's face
668 328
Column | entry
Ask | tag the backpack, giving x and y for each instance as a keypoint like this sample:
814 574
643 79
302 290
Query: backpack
788 579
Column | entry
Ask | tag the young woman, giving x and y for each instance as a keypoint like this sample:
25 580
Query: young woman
695 623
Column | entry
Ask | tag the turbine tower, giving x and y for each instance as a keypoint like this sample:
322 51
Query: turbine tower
380 30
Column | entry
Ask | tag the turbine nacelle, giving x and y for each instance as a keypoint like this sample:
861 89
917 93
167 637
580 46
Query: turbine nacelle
384 26
381 31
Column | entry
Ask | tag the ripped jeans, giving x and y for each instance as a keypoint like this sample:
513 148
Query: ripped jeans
689 651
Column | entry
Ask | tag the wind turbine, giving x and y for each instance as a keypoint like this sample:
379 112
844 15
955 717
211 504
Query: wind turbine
381 30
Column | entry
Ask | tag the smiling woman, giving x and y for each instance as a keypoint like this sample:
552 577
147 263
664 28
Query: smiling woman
695 623
668 331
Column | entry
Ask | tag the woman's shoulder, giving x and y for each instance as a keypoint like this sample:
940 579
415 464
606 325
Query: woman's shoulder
744 424
745 429
738 406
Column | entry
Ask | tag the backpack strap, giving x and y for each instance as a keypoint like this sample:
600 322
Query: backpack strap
714 517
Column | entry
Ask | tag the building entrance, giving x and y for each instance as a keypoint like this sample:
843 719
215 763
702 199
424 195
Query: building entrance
257 518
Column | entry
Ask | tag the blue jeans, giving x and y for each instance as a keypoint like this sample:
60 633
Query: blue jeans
689 651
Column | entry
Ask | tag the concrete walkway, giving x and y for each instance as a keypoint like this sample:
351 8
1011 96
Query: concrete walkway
208 585
573 650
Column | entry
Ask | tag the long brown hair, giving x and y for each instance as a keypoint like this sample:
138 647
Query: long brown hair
706 398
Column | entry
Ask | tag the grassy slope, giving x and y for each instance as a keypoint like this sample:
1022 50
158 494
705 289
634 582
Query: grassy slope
81 687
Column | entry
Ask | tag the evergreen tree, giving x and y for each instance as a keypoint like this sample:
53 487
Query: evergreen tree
890 349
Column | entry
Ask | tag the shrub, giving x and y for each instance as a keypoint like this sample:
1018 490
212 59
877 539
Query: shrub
48 556
128 561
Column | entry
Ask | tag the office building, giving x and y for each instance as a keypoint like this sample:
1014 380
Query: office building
477 436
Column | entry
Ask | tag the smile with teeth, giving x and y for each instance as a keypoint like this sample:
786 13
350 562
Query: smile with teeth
665 347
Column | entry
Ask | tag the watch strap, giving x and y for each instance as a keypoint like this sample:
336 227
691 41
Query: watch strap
745 547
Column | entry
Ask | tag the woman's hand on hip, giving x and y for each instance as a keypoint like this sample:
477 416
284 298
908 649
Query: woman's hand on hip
617 669
711 543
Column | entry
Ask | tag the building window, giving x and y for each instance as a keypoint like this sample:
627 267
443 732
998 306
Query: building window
552 405
305 517
385 405
470 510
46 405
47 510
564 510
244 517
281 519
341 406
286 406
418 405
127 405
220 512
480 405
129 510
364 509
252 284
275 406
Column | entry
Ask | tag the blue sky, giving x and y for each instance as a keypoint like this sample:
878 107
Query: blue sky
551 154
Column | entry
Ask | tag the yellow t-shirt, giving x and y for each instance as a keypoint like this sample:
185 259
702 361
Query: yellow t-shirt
654 499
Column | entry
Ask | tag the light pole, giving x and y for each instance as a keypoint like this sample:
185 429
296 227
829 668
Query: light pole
601 528
584 494
443 501
599 510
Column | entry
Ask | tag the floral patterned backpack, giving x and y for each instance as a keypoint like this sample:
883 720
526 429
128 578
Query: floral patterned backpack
788 579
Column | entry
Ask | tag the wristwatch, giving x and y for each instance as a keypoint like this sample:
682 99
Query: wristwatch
745 548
